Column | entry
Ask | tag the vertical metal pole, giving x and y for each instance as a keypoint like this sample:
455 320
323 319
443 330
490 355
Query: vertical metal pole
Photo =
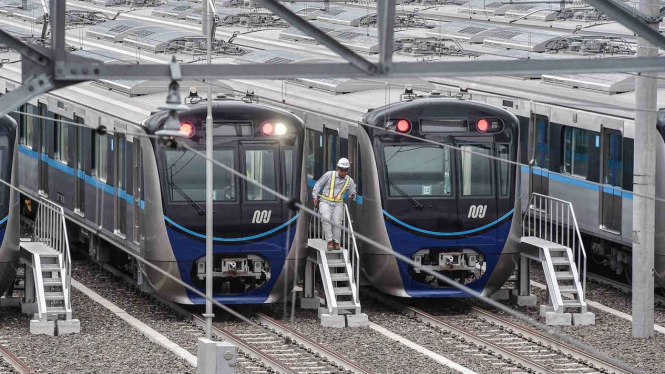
57 17
644 185
204 17
209 190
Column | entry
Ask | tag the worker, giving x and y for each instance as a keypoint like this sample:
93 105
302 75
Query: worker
334 183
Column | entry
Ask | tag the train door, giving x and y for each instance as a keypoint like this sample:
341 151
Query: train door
539 181
477 203
42 163
260 209
612 178
137 190
120 206
79 165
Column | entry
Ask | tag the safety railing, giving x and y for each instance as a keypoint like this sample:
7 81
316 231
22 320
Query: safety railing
347 241
554 220
51 230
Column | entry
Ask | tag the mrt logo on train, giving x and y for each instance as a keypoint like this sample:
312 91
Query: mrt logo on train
477 211
261 216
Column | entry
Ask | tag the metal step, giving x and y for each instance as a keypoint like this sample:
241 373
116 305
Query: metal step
341 291
562 275
346 305
50 267
568 289
339 277
560 261
54 295
52 282
571 303
336 263
56 310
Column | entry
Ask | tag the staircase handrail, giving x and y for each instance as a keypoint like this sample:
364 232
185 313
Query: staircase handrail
316 232
355 256
51 229
554 211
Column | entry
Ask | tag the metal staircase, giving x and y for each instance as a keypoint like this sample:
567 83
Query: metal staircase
47 264
551 235
339 269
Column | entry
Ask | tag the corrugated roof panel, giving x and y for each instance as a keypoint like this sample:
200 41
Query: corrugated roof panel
473 32
530 11
159 39
523 40
107 57
293 33
480 6
177 10
358 39
273 56
114 30
346 16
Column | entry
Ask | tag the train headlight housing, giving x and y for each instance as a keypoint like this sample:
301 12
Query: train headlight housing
489 125
483 125
187 128
280 129
268 128
403 126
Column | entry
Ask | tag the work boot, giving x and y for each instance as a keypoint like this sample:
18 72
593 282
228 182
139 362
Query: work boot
330 246
336 245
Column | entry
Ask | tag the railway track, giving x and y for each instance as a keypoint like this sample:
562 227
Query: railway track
621 286
502 343
16 363
281 348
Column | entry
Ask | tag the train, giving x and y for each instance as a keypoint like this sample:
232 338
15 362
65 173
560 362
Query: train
9 204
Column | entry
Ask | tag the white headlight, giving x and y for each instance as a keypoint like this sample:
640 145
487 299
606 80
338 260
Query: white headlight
280 129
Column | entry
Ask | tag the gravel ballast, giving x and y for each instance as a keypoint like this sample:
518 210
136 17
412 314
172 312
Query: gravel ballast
106 344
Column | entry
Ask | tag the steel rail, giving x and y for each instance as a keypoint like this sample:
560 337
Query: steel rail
479 341
242 344
14 361
342 361
549 342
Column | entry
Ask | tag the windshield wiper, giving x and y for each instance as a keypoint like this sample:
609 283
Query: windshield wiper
188 199
401 192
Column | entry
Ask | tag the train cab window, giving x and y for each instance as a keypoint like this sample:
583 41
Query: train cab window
429 176
542 154
260 166
100 156
503 151
576 152
476 170
186 177
26 128
288 172
61 150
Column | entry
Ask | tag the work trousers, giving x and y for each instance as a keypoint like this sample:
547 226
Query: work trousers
334 212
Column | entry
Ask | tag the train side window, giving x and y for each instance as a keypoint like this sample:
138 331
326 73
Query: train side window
576 152
288 172
542 156
26 129
503 152
99 155
429 176
476 170
61 141
260 166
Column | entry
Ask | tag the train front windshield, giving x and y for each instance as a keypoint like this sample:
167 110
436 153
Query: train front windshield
186 178
430 176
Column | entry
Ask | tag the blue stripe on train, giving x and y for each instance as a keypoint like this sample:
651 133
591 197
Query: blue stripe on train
457 233
580 182
257 236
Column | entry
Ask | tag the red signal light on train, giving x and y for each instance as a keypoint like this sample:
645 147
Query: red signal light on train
268 128
187 128
483 125
403 126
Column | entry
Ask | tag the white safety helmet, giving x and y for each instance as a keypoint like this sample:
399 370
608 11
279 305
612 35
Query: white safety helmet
343 163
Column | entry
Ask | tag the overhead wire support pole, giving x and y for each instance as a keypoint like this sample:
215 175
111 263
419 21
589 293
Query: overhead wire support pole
644 210
209 180
386 14
295 20
57 18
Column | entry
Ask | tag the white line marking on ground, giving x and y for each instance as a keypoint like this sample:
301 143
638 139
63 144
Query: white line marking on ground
602 307
144 329
435 356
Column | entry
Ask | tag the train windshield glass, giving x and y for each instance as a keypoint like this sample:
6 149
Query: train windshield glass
476 170
418 170
186 176
260 166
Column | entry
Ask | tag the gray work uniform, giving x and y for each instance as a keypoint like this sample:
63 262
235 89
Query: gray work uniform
332 210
